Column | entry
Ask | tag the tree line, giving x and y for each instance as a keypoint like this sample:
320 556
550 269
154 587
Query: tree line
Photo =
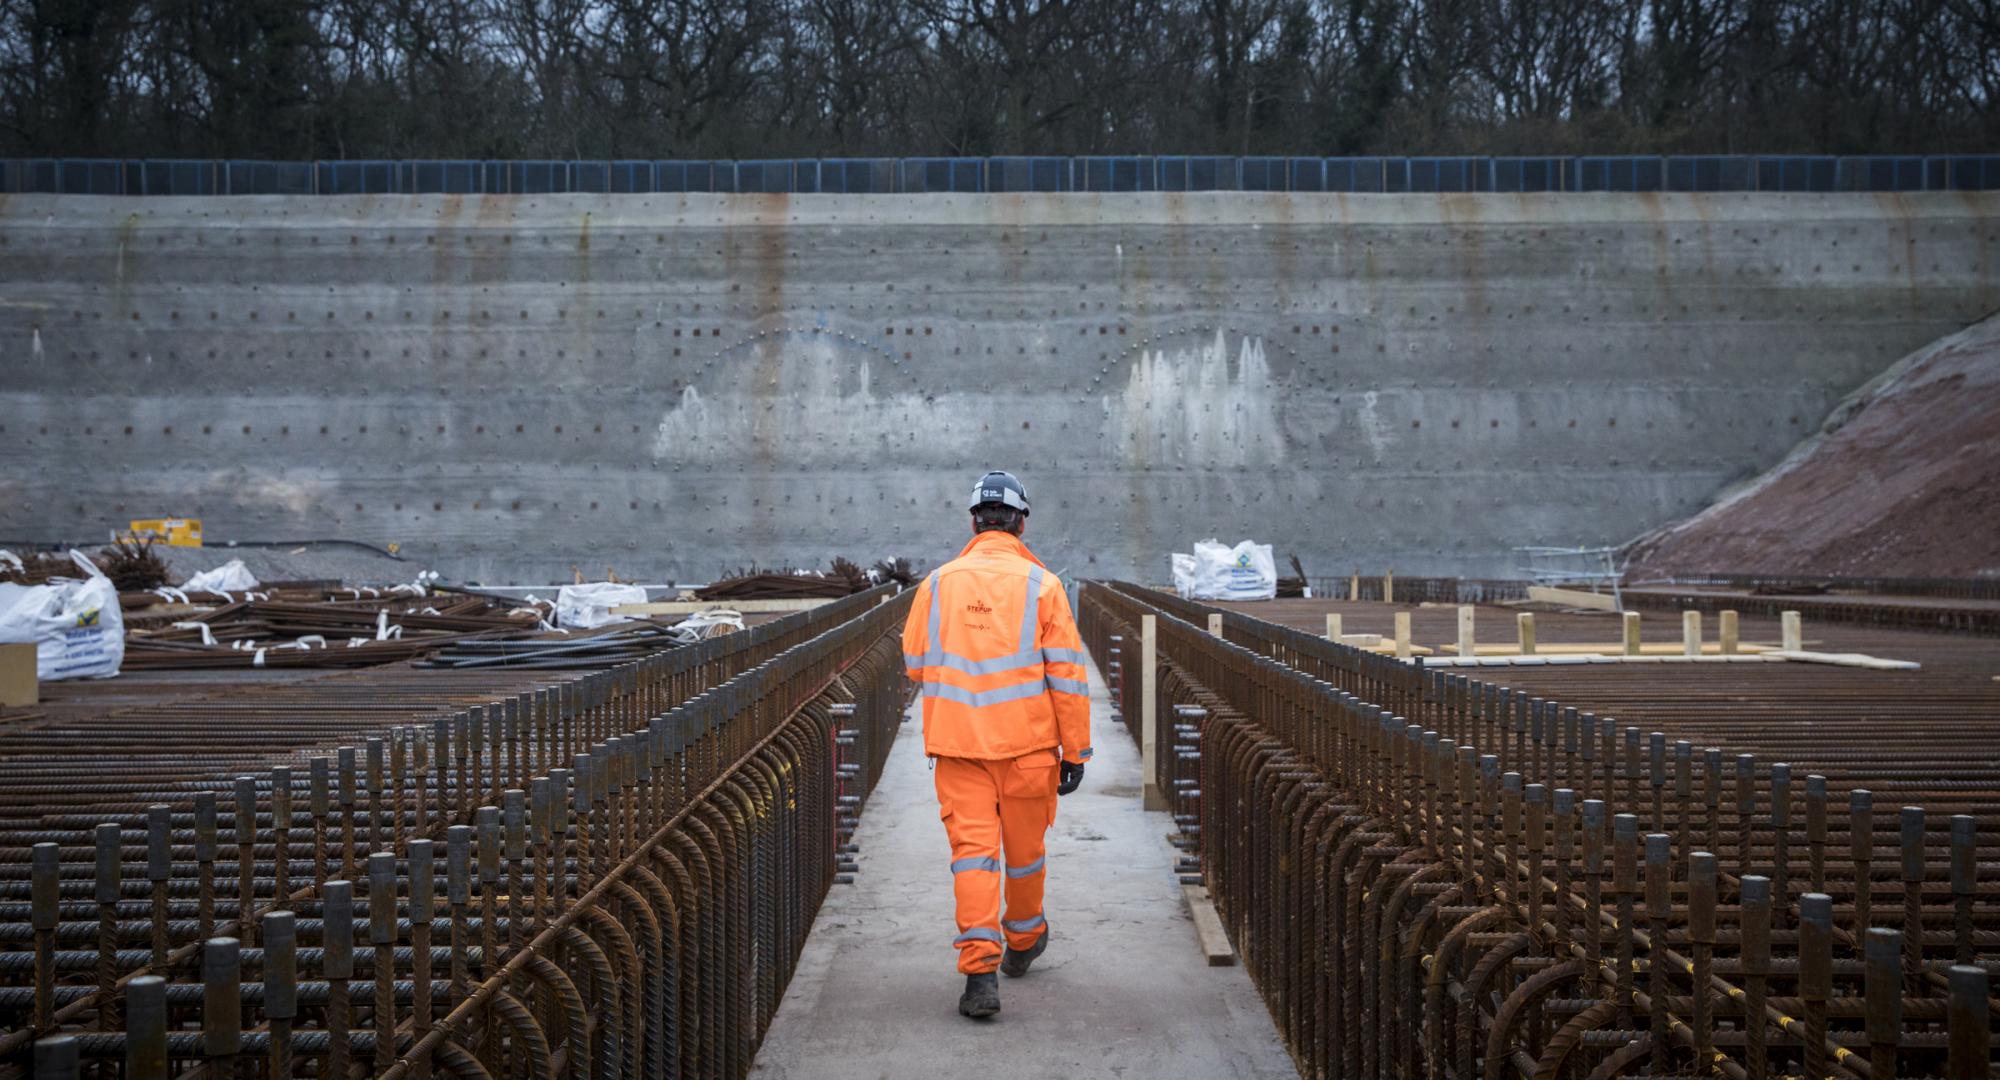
303 79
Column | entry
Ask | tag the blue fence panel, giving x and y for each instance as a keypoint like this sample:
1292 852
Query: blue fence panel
1525 174
857 176
805 175
1027 174
267 178
1618 174
698 177
918 175
1050 174
1880 174
1446 174
537 177
764 177
1354 174
1094 174
1262 174
357 177
80 176
184 177
591 177
1115 174
1709 173
631 177
1131 174
1962 173
1306 174
1797 173
1395 175
442 177
1214 174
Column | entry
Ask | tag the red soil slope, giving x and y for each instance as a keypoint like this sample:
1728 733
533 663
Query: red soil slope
1903 480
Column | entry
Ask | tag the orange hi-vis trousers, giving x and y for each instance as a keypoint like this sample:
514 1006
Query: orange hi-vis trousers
988 807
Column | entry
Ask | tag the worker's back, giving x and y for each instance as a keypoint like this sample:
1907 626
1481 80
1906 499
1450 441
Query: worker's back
992 643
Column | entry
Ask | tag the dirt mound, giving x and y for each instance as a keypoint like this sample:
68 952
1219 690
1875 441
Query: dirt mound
1903 480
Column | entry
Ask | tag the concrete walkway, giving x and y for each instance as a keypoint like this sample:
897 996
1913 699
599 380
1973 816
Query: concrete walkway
1123 990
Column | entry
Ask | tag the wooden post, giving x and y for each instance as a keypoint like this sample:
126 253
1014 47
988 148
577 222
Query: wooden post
1149 689
1333 626
1726 632
1389 587
1526 621
1794 631
1402 635
1465 645
1354 586
1631 633
1215 623
1691 633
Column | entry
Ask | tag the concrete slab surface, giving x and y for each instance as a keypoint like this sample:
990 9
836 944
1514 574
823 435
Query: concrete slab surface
1123 991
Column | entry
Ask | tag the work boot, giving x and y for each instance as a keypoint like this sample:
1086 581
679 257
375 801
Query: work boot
1014 963
982 996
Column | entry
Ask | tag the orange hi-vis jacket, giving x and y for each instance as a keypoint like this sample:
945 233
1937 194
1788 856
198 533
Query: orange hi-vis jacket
993 645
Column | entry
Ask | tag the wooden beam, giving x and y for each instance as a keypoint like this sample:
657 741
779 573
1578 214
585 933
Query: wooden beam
1572 598
1152 798
1208 927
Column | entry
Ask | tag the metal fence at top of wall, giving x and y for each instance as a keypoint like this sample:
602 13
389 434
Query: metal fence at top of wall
863 176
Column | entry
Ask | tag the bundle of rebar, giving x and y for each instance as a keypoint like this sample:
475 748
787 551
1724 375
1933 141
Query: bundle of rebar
1434 876
330 632
477 873
844 578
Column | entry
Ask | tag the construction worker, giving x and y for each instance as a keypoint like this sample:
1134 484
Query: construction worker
993 645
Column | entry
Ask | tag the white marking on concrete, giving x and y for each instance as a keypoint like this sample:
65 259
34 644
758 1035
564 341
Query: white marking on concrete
1124 990
1186 407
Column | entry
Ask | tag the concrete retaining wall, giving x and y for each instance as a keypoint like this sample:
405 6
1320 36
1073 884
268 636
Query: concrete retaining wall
674 385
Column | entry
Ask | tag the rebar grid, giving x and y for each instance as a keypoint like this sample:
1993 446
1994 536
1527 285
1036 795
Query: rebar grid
604 874
1433 876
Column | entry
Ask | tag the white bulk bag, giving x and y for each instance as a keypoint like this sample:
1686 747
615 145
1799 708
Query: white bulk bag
588 606
76 626
230 577
1244 572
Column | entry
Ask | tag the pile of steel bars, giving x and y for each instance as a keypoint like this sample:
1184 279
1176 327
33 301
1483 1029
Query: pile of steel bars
1431 876
409 873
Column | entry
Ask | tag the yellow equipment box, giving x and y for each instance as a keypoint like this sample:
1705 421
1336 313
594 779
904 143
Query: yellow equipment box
176 532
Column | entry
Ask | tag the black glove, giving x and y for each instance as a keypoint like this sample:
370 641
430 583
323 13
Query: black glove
1072 775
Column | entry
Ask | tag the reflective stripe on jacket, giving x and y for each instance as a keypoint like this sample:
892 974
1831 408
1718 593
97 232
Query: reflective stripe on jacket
992 643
